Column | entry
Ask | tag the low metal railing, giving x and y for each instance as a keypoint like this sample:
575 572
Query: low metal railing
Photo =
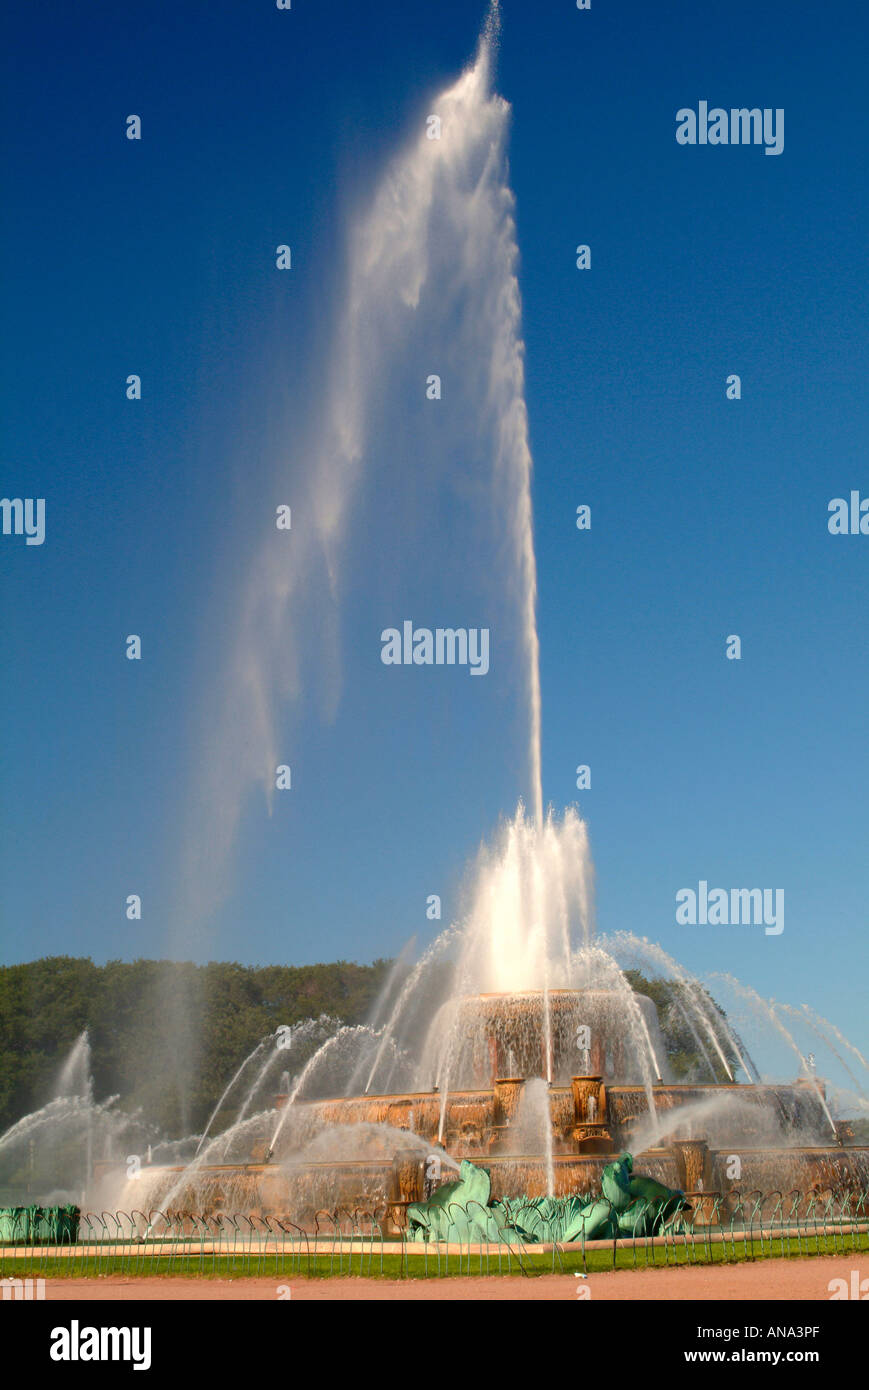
343 1241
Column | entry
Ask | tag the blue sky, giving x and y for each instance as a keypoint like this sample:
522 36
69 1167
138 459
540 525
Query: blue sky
709 516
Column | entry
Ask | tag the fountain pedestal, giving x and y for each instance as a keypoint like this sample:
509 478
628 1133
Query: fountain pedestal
507 1092
406 1185
590 1132
692 1159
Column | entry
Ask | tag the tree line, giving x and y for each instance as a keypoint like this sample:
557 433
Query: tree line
165 1035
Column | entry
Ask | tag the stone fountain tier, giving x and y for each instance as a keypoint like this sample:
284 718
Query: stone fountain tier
310 1194
377 1153
614 1033
590 1123
590 1116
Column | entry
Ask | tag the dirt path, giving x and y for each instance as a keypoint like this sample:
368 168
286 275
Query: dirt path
782 1280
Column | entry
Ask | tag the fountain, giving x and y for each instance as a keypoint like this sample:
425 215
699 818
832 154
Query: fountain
545 1089
521 1042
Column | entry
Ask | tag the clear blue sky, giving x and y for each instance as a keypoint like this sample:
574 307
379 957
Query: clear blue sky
709 516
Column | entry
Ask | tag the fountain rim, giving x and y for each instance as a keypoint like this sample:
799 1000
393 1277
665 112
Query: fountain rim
540 993
612 1086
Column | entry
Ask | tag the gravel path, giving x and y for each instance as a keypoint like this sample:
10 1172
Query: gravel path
782 1280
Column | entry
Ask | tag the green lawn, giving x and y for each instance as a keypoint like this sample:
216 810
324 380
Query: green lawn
415 1263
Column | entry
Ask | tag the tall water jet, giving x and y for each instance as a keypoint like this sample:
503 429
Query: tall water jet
804 1016
825 1025
529 905
74 1078
766 1008
431 268
405 994
227 1089
694 1001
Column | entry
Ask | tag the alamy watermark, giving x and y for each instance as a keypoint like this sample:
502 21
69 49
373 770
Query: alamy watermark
77 1343
22 1290
24 516
853 1287
443 646
849 516
739 126
720 907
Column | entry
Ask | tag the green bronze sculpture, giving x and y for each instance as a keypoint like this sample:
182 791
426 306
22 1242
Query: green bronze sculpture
630 1205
